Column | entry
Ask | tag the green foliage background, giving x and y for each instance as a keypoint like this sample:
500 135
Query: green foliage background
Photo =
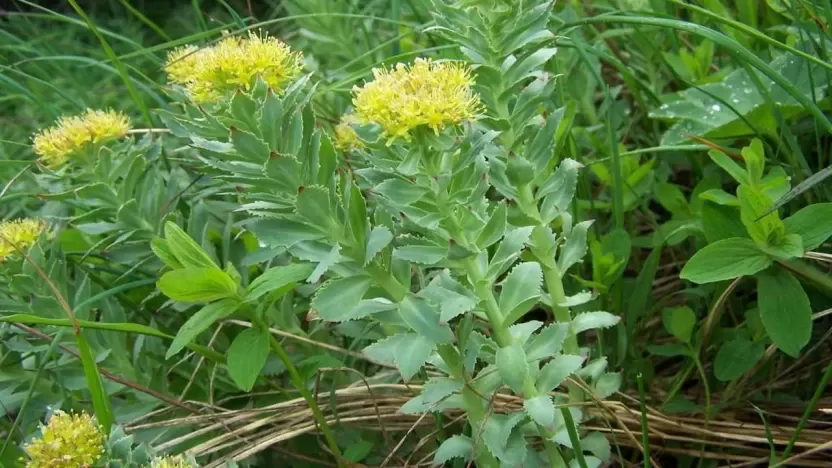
691 121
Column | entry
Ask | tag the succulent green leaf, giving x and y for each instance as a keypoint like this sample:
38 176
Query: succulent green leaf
512 366
337 298
520 291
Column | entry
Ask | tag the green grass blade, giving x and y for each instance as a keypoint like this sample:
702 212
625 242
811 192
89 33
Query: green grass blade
109 326
114 58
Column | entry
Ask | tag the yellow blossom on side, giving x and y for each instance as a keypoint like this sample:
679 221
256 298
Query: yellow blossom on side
57 144
68 441
346 139
20 233
168 461
233 63
429 93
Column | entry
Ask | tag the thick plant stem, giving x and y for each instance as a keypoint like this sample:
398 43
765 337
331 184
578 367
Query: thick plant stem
297 381
554 284
503 339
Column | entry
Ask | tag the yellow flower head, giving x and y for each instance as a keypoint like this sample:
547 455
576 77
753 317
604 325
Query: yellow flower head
346 139
425 93
57 144
20 233
68 441
233 63
168 461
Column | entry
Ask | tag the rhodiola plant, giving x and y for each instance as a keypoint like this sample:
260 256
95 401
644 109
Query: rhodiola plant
769 248
444 216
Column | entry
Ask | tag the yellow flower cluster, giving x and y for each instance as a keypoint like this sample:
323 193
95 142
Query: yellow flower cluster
20 233
68 441
168 461
425 93
346 139
57 144
233 63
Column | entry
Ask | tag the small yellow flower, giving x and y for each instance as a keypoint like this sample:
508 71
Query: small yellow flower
57 144
168 461
346 139
20 233
233 63
429 93
68 441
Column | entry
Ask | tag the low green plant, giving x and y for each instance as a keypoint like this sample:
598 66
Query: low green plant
768 247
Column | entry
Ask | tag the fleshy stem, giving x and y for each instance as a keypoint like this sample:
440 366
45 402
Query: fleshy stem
297 381
503 338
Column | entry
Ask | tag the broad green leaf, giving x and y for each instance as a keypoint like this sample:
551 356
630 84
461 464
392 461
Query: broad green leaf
162 250
541 409
379 238
755 162
197 284
521 332
520 291
768 229
336 299
790 246
495 228
503 439
508 250
357 225
421 254
721 222
577 299
456 446
575 247
548 342
553 374
592 320
247 356
560 186
736 357
367 307
200 322
419 315
598 445
330 259
607 384
411 353
724 260
358 451
314 205
784 310
720 197
186 250
249 146
669 350
512 366
813 223
672 199
276 278
284 232
435 390
451 297
679 322
699 113
400 192
732 168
